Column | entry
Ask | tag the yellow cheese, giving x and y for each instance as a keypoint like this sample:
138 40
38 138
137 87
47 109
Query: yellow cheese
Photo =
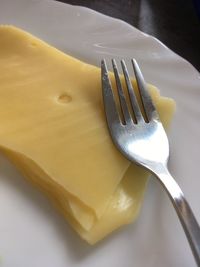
53 128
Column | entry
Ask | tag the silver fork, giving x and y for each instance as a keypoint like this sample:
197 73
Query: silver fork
144 141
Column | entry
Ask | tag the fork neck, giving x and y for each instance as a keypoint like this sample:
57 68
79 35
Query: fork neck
162 173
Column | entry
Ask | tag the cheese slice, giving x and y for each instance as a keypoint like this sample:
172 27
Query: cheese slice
53 129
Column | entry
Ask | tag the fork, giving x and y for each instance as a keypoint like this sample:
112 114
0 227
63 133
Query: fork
142 139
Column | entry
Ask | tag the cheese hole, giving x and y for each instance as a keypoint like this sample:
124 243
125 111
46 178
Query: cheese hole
64 98
33 44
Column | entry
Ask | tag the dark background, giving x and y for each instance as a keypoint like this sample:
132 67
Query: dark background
174 22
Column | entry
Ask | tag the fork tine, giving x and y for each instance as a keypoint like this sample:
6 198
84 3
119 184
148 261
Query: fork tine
133 99
147 102
122 99
108 97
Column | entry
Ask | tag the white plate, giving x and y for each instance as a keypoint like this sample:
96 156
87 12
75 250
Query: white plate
32 233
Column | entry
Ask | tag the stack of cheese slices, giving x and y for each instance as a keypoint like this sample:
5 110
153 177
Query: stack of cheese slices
52 127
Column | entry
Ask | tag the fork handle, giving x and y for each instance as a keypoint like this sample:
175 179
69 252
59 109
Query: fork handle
184 212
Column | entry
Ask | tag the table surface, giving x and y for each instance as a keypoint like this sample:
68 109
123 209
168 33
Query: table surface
174 22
